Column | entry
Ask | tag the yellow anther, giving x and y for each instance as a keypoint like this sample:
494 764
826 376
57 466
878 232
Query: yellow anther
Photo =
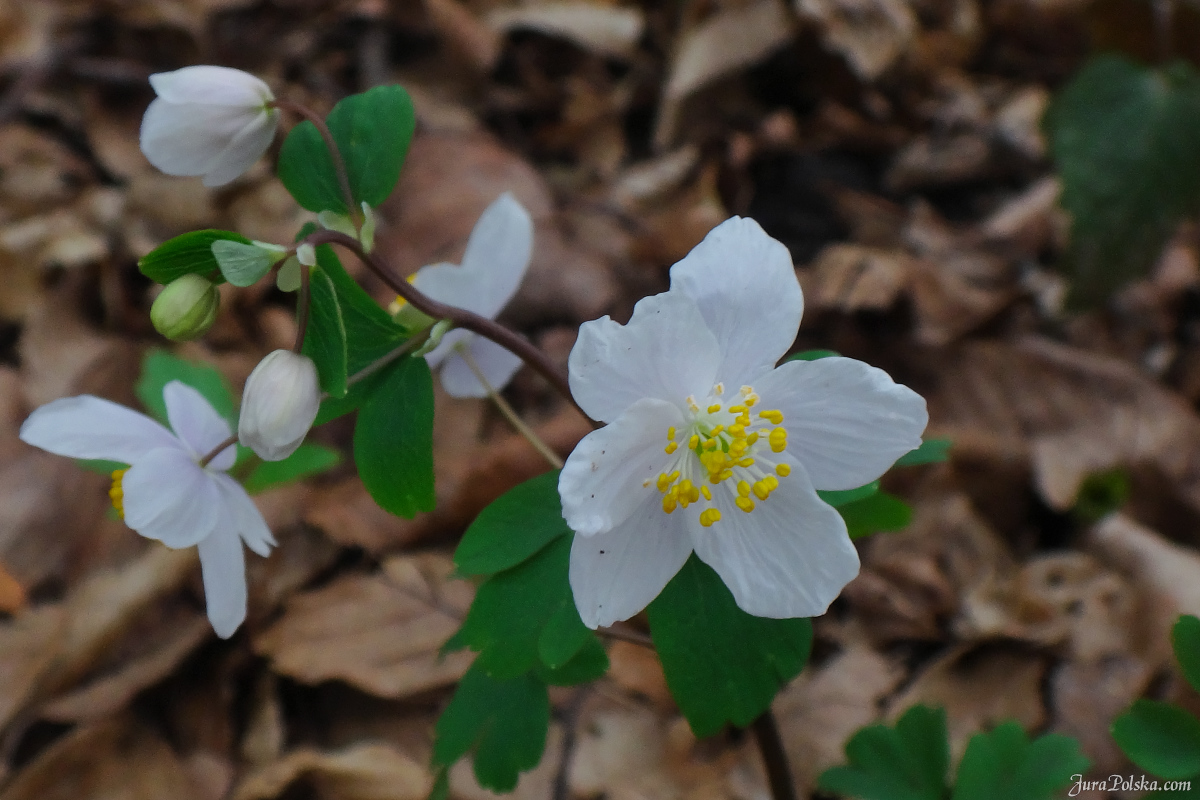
669 503
691 401
719 389
693 442
743 488
752 438
738 447
726 474
737 409
714 408
745 504
665 480
117 493
778 440
772 482
745 462
671 434
737 430
717 431
783 470
707 518
707 494
710 444
775 417
671 448
761 491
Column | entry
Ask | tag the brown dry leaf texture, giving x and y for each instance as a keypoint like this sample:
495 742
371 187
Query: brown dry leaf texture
871 35
381 633
362 772
610 30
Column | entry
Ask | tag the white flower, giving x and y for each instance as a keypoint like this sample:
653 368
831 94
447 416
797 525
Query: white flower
279 404
165 494
711 448
209 121
493 265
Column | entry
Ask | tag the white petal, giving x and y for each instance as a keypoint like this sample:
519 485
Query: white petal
445 347
198 424
847 421
171 499
247 519
665 352
189 140
789 557
224 566
243 150
279 404
223 86
605 477
496 363
90 427
746 288
615 575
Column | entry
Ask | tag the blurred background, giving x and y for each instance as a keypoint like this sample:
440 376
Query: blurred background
994 200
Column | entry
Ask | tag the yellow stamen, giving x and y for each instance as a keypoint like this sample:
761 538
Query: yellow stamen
671 448
693 442
737 409
743 488
745 462
671 433
707 518
761 491
714 408
745 504
707 494
783 470
117 492
778 440
665 480
669 503
775 417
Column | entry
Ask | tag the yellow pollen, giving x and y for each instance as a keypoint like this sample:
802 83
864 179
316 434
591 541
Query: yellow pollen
117 493
778 440
737 409
665 480
738 447
669 503
783 470
719 389
726 474
707 494
707 518
710 444
743 488
717 431
671 434
693 442
761 491
772 482
775 417
671 448
745 462
714 408
752 438
691 401
745 504
737 430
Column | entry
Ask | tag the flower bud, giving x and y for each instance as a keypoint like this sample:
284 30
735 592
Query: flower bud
186 308
279 404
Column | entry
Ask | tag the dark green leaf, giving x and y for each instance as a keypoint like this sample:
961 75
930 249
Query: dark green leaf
526 615
1100 494
191 252
1004 764
503 721
722 664
393 439
1124 139
100 466
441 785
1160 738
372 130
370 331
879 512
811 355
931 451
325 337
589 664
513 528
309 459
1185 638
160 368
905 762
839 499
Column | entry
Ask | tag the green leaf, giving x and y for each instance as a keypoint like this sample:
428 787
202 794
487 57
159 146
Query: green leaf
811 355
308 459
722 664
513 528
1100 494
1185 638
589 664
525 615
243 264
161 367
1160 738
839 499
191 252
879 512
905 762
1004 764
393 439
100 466
441 785
931 451
372 130
370 331
325 337
1124 139
504 722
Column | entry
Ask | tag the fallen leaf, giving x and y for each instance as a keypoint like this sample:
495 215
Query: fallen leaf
12 593
871 35
636 668
362 772
474 39
609 30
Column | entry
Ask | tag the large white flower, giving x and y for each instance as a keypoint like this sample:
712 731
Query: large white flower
493 265
209 121
165 494
711 448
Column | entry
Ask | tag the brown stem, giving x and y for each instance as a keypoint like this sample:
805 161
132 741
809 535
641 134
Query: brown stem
461 318
624 634
216 451
339 164
779 775
302 310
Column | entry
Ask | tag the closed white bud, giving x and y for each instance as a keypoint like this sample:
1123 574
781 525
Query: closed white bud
214 122
279 404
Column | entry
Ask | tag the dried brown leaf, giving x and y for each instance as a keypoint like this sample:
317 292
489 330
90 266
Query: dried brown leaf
361 772
606 29
872 35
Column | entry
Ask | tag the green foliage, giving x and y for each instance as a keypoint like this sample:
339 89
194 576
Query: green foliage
1124 139
1100 494
589 664
722 664
160 368
513 528
811 355
189 253
370 331
325 337
503 722
1160 738
843 498
878 512
308 459
1004 764
1185 638
905 762
243 264
931 451
393 439
372 131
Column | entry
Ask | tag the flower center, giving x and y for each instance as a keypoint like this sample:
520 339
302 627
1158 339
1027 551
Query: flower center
117 494
723 448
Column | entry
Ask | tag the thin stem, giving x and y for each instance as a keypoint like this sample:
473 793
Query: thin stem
461 318
384 360
339 164
216 451
779 775
624 634
302 310
508 411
